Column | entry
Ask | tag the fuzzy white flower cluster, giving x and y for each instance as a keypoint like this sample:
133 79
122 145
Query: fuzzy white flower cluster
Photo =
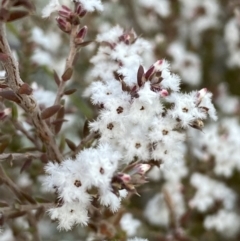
221 142
117 56
232 39
73 180
187 63
129 224
225 222
137 239
140 117
88 5
210 191
199 16
159 208
161 7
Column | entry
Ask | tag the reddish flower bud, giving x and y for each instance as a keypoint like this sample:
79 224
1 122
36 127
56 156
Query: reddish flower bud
142 168
150 72
81 35
4 113
200 95
164 93
64 25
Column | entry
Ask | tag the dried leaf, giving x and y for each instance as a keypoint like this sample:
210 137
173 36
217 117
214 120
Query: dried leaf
9 95
29 198
25 89
26 165
42 200
50 111
17 14
70 144
69 92
140 74
56 78
58 121
4 14
25 3
44 158
60 115
86 129
86 43
67 74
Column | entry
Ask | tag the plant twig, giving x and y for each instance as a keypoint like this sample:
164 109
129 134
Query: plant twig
18 156
27 102
25 207
69 62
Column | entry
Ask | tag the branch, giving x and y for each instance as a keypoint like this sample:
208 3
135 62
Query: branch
27 207
18 156
27 102
69 62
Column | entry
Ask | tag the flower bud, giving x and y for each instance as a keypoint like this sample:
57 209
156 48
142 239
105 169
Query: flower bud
164 93
64 25
200 95
142 168
81 35
4 113
65 12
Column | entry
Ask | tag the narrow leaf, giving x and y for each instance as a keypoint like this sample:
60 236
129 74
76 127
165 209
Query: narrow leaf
69 92
67 74
56 78
16 214
9 95
17 14
58 121
44 158
26 165
25 3
85 129
86 43
42 200
4 14
140 74
70 144
50 111
60 115
29 198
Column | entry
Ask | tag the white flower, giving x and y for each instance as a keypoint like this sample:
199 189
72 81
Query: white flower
52 6
225 222
129 224
91 5
209 191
